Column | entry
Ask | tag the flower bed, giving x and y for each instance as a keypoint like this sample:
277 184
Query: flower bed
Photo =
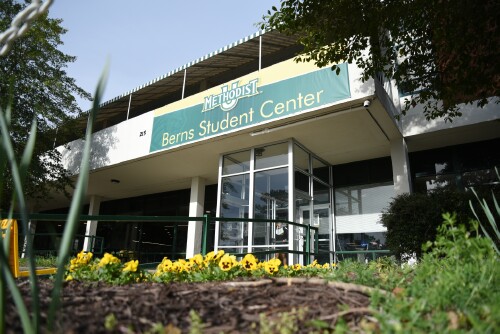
215 266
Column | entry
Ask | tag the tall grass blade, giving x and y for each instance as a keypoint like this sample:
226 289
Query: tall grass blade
16 296
489 217
76 204
19 195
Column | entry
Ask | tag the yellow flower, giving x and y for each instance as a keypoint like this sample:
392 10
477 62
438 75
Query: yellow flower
178 266
227 262
107 259
272 266
326 266
219 255
188 266
84 257
209 257
131 266
198 260
296 267
69 278
164 266
249 262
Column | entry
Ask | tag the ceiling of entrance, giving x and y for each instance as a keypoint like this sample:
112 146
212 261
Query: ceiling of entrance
337 137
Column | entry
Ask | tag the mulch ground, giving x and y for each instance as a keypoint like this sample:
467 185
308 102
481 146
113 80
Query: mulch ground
224 307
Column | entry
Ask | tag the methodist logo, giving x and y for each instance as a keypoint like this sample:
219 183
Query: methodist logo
230 95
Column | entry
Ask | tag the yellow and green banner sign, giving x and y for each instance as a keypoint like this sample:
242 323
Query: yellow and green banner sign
247 102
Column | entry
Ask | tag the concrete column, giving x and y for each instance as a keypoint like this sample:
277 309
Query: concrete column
194 234
400 166
91 229
30 236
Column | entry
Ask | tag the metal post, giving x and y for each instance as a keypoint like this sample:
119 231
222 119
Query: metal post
260 52
174 241
308 244
204 235
184 83
129 103
316 242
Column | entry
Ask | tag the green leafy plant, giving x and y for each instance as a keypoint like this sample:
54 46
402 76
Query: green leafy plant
490 229
454 287
19 171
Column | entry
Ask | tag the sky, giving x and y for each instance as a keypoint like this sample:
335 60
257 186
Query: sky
143 40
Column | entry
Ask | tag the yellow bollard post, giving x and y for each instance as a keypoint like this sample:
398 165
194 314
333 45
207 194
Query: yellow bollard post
9 226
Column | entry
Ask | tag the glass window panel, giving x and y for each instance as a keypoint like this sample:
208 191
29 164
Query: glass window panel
430 183
233 234
234 204
480 178
270 202
321 170
358 209
236 163
321 193
234 196
302 182
360 241
300 158
271 156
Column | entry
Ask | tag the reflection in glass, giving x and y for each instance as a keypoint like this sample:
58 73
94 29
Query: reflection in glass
429 183
321 220
271 156
301 182
236 163
300 158
358 209
359 242
321 170
321 193
234 204
302 210
270 202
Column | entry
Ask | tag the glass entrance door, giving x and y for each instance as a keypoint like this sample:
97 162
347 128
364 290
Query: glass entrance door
278 181
321 220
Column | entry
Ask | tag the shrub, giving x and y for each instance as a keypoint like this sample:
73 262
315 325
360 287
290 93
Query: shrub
412 219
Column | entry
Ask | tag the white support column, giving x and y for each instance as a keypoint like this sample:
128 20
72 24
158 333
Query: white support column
91 229
30 236
194 234
400 166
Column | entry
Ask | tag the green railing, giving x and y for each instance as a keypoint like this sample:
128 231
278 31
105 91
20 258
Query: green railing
54 239
207 222
176 220
307 253
362 254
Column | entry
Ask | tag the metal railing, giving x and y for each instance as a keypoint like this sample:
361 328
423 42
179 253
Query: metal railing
307 253
361 255
207 223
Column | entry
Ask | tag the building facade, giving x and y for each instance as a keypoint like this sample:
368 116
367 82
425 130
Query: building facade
246 132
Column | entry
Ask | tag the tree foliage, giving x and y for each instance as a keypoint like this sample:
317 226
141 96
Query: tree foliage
440 52
35 85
